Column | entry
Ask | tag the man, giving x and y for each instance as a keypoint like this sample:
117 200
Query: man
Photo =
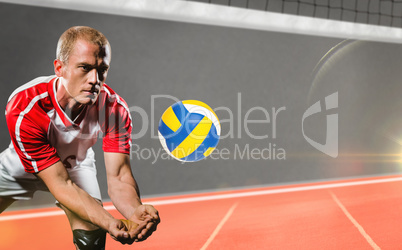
53 122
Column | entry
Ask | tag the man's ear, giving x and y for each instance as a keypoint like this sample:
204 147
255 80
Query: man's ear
58 67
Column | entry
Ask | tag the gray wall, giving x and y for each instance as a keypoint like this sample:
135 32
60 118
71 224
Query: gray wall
266 70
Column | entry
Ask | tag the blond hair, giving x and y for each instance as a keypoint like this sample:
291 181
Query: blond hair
68 39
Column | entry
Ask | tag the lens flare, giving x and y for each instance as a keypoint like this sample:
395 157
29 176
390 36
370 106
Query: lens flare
367 77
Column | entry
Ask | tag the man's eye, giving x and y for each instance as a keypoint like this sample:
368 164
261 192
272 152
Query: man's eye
103 70
85 68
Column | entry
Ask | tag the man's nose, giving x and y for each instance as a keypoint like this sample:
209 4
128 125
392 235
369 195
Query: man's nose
94 77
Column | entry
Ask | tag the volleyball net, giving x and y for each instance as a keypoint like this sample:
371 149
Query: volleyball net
375 20
376 12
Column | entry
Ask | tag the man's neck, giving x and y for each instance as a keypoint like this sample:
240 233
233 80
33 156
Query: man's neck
67 102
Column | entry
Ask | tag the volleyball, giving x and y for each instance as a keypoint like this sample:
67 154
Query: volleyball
189 130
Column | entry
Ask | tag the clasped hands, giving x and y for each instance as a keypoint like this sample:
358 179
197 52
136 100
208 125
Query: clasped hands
139 227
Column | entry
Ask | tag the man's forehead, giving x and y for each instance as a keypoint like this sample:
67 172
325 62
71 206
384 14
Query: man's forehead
83 46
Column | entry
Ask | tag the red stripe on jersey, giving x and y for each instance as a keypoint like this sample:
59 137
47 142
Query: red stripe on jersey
43 134
27 122
117 126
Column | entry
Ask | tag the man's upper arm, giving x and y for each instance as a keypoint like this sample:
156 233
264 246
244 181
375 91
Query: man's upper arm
117 165
115 123
28 132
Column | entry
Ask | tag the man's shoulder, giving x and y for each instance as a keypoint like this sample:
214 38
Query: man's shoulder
26 96
33 88
108 90
110 96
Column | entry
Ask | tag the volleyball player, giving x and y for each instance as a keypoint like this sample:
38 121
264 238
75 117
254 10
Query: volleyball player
53 122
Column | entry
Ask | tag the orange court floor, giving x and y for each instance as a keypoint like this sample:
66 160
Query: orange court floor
362 213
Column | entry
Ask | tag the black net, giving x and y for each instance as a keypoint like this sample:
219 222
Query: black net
375 12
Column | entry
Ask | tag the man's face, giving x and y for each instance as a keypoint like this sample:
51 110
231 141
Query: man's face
86 71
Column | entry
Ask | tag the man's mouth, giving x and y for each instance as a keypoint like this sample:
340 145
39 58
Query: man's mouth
90 92
93 91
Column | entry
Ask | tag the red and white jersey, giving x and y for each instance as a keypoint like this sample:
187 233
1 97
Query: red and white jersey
43 134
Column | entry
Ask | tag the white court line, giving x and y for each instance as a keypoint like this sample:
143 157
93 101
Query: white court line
219 227
220 196
31 215
269 191
355 223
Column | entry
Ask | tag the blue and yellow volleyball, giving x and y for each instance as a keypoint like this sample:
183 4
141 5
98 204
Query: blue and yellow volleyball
189 130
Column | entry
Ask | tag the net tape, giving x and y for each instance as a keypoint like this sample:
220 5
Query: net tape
375 12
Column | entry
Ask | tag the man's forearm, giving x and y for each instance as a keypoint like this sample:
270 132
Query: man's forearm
124 192
122 187
73 197
85 206
125 197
